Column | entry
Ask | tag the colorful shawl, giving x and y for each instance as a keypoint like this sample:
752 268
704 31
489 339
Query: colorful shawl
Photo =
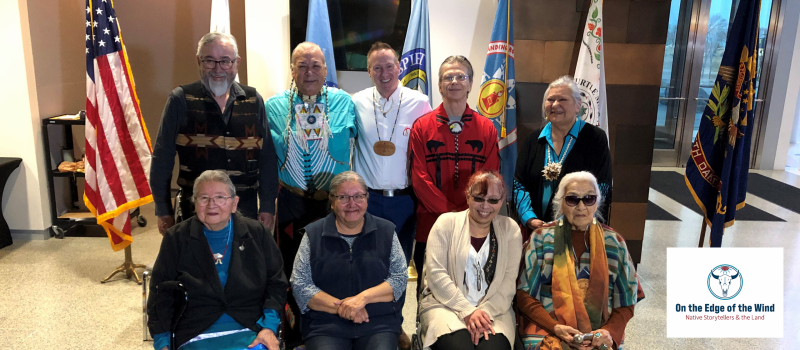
550 274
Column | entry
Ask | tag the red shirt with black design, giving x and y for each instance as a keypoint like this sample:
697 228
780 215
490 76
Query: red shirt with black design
434 153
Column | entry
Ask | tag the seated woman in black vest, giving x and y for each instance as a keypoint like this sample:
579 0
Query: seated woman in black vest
231 268
349 275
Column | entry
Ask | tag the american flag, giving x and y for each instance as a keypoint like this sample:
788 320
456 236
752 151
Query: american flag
118 149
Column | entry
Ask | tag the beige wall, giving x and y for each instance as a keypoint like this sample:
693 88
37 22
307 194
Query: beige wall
160 38
24 199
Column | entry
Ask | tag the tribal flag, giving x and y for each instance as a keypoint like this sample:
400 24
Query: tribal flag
716 172
497 99
590 72
414 63
118 147
318 31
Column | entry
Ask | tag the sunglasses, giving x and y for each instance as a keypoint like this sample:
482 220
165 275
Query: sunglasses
588 200
481 200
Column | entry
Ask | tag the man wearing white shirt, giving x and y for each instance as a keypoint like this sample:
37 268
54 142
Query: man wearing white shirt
385 114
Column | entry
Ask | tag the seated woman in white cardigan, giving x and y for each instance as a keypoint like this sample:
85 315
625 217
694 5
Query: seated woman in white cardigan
471 268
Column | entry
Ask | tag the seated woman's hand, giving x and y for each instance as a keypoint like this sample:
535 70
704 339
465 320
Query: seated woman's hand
603 339
361 316
567 333
479 324
266 337
348 307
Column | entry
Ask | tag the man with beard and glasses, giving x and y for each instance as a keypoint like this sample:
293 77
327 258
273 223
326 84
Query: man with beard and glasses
215 123
313 127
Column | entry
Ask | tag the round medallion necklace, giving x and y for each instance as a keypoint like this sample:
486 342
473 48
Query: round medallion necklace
385 148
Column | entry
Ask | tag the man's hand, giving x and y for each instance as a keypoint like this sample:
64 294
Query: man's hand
534 224
267 219
165 222
267 338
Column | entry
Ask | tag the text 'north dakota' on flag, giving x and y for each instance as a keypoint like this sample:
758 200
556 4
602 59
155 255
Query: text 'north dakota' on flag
118 150
497 99
716 172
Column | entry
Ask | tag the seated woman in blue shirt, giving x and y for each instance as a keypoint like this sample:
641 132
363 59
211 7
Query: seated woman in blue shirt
349 275
231 268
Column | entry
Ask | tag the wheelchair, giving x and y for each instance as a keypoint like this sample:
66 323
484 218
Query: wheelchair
180 298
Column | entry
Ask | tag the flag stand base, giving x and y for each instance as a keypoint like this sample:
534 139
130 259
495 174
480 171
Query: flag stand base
128 267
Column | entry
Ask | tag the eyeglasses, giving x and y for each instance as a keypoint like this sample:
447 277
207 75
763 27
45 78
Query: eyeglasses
481 200
358 198
224 64
460 77
218 200
588 200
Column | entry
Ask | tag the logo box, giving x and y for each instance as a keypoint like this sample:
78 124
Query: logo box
725 292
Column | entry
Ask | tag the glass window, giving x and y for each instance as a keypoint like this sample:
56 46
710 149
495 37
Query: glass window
355 25
672 75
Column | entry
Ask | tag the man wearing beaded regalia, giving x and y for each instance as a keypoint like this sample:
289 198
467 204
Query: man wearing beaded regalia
313 127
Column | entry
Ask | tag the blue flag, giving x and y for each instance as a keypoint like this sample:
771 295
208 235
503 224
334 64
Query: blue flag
716 172
415 64
497 99
318 31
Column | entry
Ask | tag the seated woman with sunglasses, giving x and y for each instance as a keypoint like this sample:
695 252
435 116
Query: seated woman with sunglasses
231 268
349 275
471 268
578 276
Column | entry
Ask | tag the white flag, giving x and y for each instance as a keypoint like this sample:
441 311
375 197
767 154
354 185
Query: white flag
590 70
220 17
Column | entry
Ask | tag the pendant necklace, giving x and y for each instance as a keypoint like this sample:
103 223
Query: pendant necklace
385 148
217 256
553 169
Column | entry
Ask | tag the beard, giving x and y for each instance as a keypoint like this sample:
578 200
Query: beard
217 88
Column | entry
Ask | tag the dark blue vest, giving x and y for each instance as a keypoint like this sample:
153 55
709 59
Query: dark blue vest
342 272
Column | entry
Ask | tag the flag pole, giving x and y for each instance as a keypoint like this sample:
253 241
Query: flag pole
128 267
702 235
503 133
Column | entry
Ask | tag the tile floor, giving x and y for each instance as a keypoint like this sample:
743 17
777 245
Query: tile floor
50 295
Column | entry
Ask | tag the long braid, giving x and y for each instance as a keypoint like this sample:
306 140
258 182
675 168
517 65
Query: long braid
288 130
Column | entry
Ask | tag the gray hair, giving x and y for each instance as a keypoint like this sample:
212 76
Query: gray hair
346 176
563 81
460 60
306 45
578 176
213 176
214 36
